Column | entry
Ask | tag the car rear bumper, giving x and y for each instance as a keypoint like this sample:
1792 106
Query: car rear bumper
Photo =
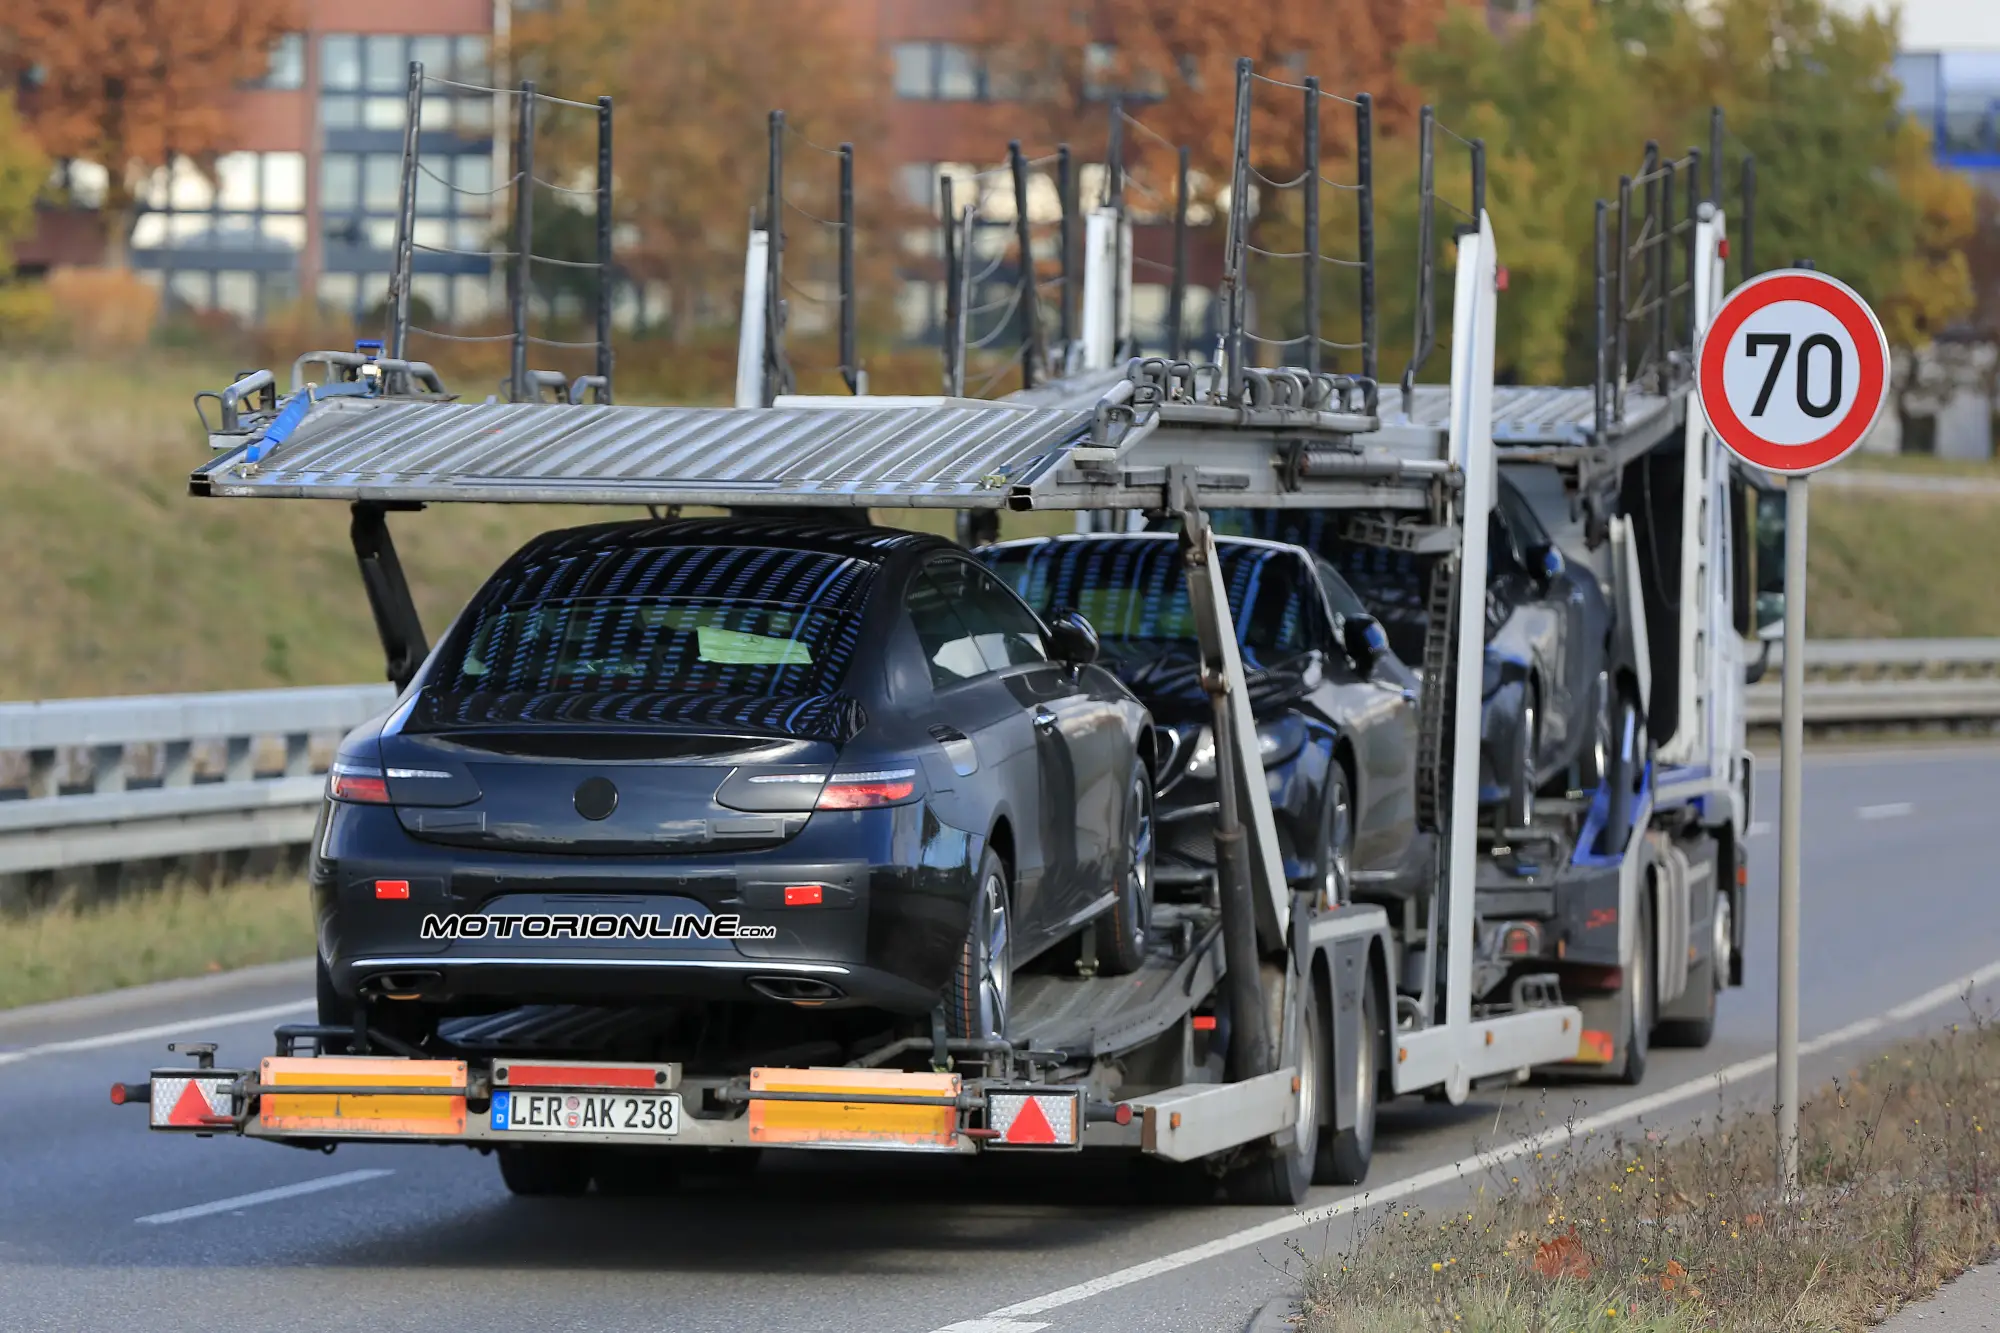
864 907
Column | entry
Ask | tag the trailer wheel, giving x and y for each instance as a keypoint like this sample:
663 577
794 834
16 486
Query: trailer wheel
1637 998
1344 1154
975 1002
537 1170
1282 1175
1121 932
634 1173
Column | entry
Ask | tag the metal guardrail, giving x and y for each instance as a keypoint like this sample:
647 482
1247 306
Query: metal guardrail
88 782
99 781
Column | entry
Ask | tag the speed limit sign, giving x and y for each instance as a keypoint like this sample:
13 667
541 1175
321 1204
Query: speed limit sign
1794 370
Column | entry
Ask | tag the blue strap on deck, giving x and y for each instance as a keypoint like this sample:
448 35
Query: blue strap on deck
295 409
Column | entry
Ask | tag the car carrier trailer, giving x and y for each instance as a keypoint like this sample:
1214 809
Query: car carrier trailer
1260 1032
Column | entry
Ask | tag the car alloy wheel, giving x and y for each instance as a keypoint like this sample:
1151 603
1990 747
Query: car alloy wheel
1725 940
1337 834
994 941
1521 800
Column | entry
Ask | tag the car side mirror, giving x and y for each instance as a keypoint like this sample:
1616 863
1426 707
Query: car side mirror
1071 640
1365 640
1548 563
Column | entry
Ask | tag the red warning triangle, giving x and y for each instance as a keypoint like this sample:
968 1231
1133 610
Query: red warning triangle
191 1107
1030 1125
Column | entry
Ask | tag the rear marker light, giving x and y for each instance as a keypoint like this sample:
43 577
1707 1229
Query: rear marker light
804 895
1034 1120
1204 1022
860 791
764 778
392 888
417 773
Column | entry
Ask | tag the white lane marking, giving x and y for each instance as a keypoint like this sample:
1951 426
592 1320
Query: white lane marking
267 1196
159 1030
990 1326
1445 1175
1757 830
1892 810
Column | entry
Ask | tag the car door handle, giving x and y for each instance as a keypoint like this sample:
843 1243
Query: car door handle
1045 719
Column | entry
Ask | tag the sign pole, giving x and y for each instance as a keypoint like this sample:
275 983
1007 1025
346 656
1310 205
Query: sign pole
1792 372
1791 779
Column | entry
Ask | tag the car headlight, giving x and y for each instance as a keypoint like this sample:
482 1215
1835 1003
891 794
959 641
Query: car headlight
1277 741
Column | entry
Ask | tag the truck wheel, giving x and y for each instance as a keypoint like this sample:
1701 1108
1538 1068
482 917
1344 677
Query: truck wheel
1708 978
1637 1003
975 1002
1344 1154
1284 1174
538 1170
1121 932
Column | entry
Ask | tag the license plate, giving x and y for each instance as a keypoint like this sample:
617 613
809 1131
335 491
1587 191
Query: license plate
587 1112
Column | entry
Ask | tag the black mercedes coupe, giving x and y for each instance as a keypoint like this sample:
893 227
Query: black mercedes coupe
736 762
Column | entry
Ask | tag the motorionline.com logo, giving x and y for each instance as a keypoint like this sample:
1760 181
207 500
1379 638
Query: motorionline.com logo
590 926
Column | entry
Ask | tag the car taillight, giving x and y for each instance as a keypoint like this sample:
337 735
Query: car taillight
862 791
358 784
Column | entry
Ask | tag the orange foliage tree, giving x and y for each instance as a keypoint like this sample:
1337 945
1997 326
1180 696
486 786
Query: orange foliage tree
693 83
127 84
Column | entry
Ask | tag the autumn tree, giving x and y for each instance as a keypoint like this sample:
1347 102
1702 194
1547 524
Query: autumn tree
128 84
693 82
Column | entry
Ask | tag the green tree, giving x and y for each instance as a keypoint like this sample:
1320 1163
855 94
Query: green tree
1566 102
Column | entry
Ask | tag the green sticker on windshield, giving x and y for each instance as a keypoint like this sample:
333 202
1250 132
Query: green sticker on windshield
731 648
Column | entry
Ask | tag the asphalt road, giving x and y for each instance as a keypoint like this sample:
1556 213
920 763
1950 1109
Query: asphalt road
1898 903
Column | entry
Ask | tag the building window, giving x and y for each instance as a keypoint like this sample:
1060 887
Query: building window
940 72
1969 105
364 83
229 239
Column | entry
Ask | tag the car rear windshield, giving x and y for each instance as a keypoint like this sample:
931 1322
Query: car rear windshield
674 619
1133 593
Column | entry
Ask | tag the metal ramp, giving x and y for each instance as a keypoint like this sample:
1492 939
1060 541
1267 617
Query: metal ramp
1088 1017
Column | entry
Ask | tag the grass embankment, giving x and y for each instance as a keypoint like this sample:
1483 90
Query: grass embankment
1898 1195
114 581
179 931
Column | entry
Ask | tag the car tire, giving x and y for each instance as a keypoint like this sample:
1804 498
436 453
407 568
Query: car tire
1281 1175
335 1010
1593 762
1334 861
1628 767
536 1170
1344 1154
1520 807
982 983
1122 931
1637 1004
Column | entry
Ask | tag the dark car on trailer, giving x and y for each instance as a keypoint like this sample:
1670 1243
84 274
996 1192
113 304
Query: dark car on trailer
1335 707
832 771
1551 708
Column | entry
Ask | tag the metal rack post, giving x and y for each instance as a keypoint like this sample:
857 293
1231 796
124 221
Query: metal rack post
1364 175
1034 356
1311 246
524 225
850 357
406 219
604 272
